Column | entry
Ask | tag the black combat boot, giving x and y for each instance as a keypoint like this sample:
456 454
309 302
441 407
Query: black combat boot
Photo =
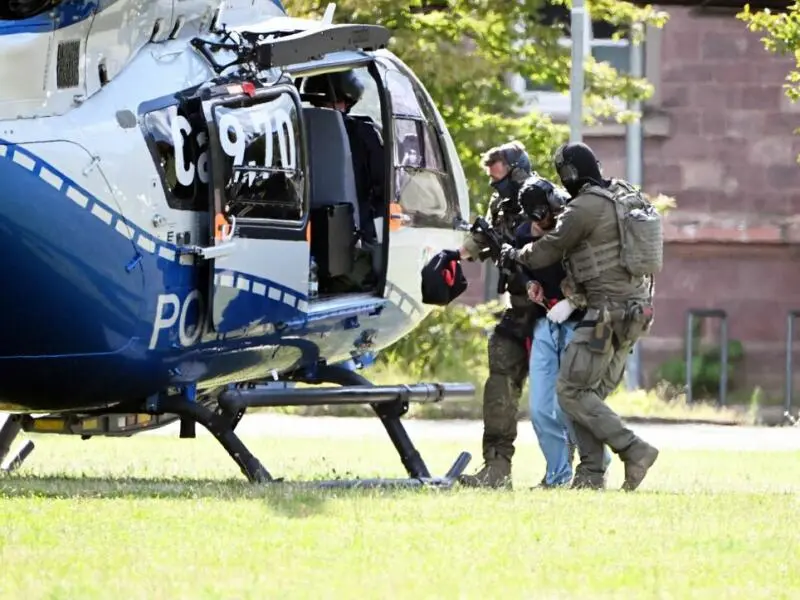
638 458
496 473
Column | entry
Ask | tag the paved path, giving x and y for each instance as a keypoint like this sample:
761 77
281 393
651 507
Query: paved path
664 436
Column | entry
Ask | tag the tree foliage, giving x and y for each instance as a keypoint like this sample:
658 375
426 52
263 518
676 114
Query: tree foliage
782 37
463 52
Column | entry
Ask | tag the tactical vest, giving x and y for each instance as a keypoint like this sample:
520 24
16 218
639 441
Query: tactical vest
639 249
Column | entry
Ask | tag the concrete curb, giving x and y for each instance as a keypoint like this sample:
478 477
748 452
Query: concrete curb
667 421
765 419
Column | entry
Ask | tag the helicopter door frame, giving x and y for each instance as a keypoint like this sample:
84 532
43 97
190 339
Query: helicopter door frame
246 244
369 62
387 135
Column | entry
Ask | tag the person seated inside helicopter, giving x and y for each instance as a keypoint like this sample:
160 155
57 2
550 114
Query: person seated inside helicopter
341 91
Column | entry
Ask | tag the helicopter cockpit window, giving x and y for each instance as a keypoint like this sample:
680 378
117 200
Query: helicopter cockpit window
261 149
421 172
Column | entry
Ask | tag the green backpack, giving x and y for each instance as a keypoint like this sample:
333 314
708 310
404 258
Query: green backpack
640 228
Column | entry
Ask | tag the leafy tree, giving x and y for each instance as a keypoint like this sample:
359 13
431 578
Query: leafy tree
462 49
782 38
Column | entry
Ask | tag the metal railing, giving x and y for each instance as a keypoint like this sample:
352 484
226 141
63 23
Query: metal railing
790 317
702 313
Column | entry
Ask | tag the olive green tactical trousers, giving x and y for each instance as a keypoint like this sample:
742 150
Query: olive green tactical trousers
586 378
508 369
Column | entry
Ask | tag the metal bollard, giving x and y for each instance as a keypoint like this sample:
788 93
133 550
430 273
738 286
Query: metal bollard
790 317
723 338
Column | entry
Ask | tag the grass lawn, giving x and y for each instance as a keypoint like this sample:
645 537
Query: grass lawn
158 517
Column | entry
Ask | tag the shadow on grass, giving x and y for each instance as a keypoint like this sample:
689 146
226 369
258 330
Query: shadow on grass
296 499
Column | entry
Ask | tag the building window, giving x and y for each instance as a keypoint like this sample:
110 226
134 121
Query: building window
600 42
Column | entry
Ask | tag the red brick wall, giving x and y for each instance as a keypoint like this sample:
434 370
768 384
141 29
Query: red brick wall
729 160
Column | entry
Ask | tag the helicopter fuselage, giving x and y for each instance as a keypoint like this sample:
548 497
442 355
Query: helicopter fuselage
114 292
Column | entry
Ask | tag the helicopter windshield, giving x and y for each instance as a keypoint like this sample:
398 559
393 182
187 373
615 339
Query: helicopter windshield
422 181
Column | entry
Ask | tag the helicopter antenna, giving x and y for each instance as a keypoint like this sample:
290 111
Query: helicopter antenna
327 18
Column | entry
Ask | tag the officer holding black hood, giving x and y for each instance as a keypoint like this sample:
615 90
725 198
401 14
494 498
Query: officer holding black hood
508 166
610 238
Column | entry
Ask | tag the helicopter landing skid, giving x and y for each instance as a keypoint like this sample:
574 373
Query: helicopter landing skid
8 433
389 403
221 414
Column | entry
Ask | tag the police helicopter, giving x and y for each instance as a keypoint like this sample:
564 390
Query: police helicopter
184 218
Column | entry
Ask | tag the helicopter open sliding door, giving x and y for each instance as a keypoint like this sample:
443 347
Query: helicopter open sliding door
259 208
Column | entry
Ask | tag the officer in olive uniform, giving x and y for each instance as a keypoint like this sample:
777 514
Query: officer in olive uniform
610 238
508 166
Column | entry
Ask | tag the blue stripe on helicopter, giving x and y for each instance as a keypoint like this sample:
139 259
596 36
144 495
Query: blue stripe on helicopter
255 286
65 14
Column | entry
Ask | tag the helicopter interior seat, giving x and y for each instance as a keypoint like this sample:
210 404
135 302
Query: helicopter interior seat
333 195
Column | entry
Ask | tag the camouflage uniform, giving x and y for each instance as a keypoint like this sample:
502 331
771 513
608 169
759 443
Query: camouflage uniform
587 236
508 359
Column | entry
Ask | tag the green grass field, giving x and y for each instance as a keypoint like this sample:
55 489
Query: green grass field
158 517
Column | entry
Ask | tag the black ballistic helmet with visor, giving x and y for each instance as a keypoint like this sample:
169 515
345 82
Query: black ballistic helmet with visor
340 86
540 198
576 166
514 155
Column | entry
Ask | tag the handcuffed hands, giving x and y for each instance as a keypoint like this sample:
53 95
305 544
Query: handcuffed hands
561 311
535 291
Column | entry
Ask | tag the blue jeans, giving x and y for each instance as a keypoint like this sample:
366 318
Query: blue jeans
551 425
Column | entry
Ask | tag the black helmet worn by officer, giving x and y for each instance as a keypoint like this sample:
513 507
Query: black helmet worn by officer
519 163
539 198
331 88
577 166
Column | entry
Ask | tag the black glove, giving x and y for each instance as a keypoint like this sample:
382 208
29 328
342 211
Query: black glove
451 254
508 255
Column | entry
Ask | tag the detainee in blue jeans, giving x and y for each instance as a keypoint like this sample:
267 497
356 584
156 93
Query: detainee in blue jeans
552 427
542 202
550 424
